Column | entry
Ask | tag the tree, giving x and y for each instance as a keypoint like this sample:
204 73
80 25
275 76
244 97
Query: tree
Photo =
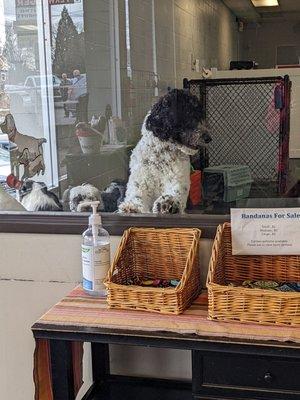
68 48
11 51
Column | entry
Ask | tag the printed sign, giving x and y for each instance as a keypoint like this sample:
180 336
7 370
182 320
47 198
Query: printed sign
26 11
265 231
55 2
25 3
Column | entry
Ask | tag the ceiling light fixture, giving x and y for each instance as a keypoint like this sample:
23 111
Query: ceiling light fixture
265 3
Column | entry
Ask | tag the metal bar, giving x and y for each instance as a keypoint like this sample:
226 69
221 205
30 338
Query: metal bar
234 81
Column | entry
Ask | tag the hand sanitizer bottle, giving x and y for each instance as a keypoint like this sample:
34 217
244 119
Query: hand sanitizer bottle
95 254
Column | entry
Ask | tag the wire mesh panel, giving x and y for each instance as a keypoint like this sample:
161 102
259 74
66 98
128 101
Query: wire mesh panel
248 120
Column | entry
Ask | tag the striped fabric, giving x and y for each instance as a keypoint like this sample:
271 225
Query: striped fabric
78 309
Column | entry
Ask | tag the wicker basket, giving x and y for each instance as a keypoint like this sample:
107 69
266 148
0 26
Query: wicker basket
229 303
155 254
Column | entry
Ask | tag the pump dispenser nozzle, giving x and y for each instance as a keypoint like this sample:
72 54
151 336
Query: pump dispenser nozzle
94 218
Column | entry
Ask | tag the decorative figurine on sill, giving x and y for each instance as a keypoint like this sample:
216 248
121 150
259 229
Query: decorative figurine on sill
89 138
117 131
36 197
98 123
74 196
29 150
159 179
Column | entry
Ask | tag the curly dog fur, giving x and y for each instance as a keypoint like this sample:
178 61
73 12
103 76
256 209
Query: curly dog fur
159 179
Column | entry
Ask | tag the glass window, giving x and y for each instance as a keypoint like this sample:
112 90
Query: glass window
189 91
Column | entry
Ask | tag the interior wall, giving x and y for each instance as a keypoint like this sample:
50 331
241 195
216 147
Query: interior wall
159 41
205 29
36 271
260 41
98 51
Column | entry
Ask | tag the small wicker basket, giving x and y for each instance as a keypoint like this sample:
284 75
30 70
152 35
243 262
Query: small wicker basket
155 254
230 303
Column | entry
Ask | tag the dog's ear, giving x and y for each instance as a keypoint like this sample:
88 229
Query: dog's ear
173 114
44 190
10 122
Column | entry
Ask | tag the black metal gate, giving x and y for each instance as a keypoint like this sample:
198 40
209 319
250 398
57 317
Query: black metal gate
249 124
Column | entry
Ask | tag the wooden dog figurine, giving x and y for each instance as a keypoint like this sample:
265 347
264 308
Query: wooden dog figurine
29 151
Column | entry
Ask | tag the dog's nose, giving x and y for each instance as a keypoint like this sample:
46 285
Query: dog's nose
206 137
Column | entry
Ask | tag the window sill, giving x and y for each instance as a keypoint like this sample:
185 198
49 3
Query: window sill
70 223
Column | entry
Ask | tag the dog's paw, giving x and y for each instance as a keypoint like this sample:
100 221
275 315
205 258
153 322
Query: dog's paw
128 207
166 205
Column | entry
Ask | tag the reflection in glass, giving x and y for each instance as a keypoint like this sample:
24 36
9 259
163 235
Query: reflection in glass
78 78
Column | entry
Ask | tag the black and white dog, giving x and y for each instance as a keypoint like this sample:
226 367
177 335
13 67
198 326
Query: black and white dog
73 198
37 197
159 179
109 199
113 195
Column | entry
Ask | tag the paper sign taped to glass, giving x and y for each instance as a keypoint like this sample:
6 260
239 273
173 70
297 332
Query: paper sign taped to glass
265 231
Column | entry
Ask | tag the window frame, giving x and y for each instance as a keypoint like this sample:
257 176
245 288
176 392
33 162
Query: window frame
75 223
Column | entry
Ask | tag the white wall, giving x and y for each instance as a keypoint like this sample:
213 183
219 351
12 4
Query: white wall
164 37
98 51
35 272
269 37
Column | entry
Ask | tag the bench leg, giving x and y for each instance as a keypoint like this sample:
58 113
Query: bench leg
100 361
62 370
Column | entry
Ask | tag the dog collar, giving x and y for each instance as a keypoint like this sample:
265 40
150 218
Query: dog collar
184 149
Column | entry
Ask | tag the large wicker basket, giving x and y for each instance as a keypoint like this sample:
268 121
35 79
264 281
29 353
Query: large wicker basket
155 254
229 303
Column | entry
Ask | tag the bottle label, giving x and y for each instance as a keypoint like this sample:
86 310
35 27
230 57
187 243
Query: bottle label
95 264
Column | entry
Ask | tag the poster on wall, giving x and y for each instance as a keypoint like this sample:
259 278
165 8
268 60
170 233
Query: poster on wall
26 11
263 231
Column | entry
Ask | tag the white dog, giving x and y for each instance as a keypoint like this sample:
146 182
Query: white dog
159 179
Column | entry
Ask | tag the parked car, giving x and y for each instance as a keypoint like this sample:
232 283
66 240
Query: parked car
28 95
